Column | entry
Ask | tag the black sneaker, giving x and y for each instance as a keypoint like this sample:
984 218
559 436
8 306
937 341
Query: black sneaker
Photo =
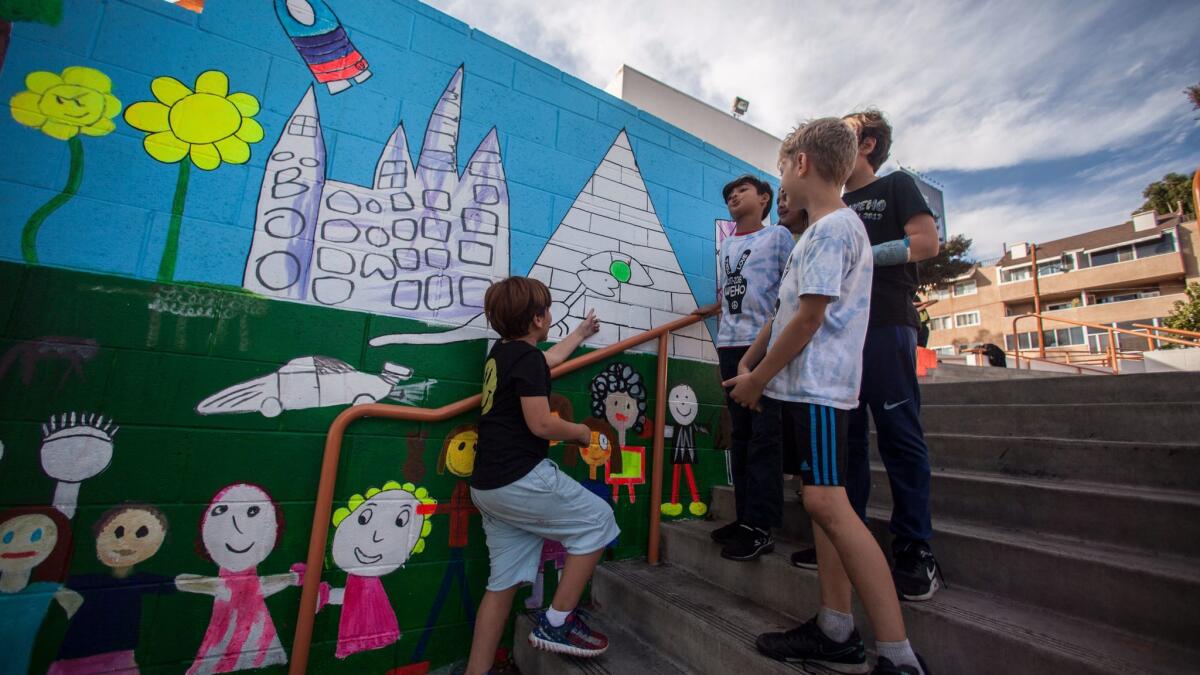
748 543
724 534
886 667
809 645
917 574
806 558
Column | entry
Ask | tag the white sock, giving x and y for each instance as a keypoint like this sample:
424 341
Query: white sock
836 625
555 617
899 653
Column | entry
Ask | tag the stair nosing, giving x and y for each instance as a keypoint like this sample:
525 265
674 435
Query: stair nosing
1080 487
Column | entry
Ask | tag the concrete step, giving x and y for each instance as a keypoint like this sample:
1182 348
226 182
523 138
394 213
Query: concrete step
958 631
1164 465
1158 423
1129 389
704 628
1153 520
957 372
1129 590
627 653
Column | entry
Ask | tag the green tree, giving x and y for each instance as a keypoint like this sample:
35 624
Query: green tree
952 260
1193 94
1165 195
1186 315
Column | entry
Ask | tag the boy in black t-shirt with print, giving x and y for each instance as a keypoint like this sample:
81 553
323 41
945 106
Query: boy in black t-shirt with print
521 494
902 231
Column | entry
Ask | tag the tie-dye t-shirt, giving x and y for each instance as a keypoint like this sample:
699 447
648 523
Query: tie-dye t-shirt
748 271
832 258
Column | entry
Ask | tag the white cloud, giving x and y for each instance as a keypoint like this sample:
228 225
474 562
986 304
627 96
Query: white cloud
967 85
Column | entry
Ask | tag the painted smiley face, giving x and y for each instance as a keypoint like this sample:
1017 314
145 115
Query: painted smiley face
72 104
130 537
621 410
26 541
682 401
598 452
460 452
379 536
240 528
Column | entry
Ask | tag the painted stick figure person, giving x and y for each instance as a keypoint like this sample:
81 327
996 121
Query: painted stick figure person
619 396
36 541
103 633
321 41
457 457
682 403
239 529
377 532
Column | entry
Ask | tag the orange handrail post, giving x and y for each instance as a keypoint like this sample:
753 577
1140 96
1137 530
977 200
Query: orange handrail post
660 416
333 447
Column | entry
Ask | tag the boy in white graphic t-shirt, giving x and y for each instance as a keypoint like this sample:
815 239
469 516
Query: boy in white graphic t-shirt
802 374
749 265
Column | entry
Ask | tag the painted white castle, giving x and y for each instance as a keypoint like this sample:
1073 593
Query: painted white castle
423 242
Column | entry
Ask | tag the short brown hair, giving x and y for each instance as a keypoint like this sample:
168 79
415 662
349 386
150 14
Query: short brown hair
761 186
511 304
828 142
108 516
872 124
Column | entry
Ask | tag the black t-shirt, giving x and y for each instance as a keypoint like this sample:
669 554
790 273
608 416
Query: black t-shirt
885 206
507 449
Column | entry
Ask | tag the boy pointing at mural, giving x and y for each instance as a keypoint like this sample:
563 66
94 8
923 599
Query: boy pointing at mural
522 495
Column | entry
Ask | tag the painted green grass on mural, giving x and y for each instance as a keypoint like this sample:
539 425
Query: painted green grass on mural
74 177
166 268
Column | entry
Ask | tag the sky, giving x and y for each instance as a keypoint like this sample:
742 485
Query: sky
1040 120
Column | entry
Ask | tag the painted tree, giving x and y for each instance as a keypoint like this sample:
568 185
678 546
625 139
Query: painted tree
953 260
1167 194
37 11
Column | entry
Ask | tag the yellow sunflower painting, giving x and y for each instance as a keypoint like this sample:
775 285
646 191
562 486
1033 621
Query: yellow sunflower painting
205 125
78 100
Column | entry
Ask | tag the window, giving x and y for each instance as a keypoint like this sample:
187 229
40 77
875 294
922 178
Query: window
964 319
1164 244
967 287
1055 306
1015 274
1125 297
945 351
1111 256
1065 263
1056 337
939 293
940 323
303 125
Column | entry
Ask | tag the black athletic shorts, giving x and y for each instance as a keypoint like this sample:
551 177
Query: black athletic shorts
814 438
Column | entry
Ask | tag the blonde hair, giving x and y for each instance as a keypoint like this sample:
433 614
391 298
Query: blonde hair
828 143
428 504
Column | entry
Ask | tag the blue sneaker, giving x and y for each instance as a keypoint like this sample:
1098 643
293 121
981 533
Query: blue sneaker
574 637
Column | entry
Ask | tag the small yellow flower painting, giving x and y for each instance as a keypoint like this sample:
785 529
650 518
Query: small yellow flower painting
79 100
205 123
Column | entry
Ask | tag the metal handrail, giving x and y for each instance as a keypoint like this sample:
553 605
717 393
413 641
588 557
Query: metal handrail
1164 329
333 448
1112 341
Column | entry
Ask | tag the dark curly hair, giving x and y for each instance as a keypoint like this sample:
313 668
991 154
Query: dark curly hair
619 378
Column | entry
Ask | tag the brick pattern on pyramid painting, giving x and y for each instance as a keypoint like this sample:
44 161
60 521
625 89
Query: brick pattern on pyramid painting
610 254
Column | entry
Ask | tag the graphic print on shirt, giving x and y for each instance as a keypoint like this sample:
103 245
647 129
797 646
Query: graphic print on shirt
735 283
870 209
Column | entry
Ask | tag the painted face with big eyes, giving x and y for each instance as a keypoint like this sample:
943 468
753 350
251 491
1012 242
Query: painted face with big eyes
599 451
460 453
26 541
131 537
621 410
378 536
240 528
683 404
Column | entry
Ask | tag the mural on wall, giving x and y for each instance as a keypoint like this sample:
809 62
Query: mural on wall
724 228
182 303
684 407
196 6
610 254
552 552
205 124
103 633
322 43
375 534
723 439
308 382
240 527
36 541
29 354
457 457
423 242
414 460
619 396
48 12
63 106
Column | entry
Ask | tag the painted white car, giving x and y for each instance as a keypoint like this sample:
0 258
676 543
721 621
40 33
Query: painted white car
306 382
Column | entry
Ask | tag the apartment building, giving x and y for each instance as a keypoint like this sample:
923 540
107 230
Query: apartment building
1115 276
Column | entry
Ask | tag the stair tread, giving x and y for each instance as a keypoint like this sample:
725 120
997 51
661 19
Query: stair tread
1071 441
1101 646
627 653
1168 565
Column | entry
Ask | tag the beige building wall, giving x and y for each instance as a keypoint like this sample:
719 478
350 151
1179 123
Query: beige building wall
997 303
